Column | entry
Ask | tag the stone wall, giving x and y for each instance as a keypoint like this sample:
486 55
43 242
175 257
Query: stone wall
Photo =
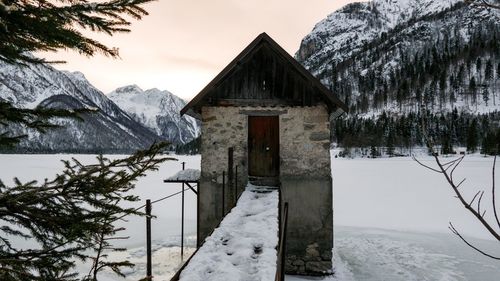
305 176
306 185
222 127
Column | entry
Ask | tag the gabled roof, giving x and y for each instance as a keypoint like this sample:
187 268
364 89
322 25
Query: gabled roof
335 104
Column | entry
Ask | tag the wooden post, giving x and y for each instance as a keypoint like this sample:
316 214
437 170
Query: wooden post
148 240
223 190
235 184
283 238
230 175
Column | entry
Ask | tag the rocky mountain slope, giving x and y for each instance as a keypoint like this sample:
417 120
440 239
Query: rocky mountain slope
393 60
391 54
159 111
109 129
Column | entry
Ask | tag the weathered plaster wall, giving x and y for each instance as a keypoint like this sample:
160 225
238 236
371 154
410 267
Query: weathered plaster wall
304 174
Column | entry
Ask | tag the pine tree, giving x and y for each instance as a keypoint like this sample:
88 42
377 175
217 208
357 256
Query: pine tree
473 89
68 216
37 119
472 136
486 96
488 4
488 70
72 216
479 64
39 25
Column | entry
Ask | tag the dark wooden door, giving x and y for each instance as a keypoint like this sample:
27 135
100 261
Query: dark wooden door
263 146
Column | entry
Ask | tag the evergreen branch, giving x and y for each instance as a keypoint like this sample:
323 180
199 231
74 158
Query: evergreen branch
70 214
38 119
36 25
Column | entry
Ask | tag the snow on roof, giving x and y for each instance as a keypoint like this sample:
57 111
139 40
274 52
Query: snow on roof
186 175
243 247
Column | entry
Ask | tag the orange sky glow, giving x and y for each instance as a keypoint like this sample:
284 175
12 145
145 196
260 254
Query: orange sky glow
183 44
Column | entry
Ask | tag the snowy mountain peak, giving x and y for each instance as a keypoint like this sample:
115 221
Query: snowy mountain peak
158 110
109 129
77 75
387 55
129 89
347 29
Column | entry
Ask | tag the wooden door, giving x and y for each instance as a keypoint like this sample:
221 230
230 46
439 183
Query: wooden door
263 146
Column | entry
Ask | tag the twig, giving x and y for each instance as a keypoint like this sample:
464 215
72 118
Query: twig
493 191
452 228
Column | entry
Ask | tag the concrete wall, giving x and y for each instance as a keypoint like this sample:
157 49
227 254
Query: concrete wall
305 176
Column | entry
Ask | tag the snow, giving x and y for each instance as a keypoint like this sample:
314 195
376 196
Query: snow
186 175
243 247
390 219
166 225
369 254
398 193
157 110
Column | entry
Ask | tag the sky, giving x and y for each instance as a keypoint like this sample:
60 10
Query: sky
183 44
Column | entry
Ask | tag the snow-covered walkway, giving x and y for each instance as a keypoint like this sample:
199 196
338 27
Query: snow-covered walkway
243 247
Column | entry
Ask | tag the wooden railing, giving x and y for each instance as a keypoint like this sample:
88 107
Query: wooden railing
224 213
283 222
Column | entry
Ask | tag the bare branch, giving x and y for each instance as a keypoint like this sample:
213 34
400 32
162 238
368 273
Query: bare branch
426 166
460 183
477 212
493 192
453 229
474 198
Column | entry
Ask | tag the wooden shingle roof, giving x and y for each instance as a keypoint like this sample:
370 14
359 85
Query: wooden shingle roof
264 73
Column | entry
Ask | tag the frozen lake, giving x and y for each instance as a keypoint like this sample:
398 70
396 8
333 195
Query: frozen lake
390 216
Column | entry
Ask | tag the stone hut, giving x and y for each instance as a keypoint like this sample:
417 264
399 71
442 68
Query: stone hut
269 117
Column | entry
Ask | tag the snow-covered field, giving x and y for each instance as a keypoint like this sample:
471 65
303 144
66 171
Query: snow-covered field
390 217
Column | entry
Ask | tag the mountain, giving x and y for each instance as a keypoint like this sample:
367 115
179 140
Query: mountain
391 61
109 129
387 55
159 111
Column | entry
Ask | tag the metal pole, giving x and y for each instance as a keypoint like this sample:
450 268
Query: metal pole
223 190
148 239
182 225
182 218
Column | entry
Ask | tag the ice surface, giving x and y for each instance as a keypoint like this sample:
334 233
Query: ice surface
390 218
243 247
364 254
398 193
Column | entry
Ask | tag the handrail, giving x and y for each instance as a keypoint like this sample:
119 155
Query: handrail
177 275
283 222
